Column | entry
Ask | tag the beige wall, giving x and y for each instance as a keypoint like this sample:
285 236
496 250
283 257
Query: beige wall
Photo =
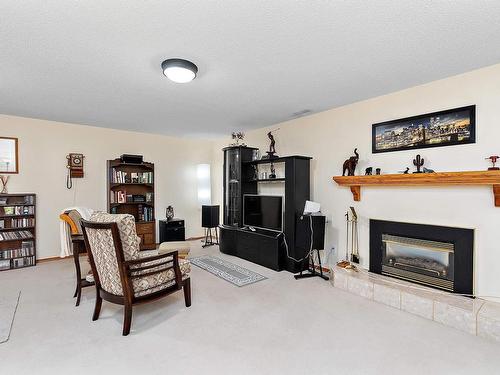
43 146
330 137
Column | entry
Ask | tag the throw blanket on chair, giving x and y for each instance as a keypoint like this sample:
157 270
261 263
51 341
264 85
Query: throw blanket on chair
65 232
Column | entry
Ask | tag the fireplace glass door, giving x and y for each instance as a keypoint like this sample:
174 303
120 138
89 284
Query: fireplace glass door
426 262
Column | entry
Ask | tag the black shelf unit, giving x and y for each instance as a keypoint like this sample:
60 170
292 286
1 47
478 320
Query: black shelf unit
267 248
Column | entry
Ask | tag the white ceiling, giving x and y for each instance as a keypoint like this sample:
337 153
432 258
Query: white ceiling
97 62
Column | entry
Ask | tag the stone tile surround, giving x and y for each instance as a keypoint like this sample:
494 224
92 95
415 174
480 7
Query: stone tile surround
475 316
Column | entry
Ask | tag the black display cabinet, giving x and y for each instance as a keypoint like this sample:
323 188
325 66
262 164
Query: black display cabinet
263 247
238 181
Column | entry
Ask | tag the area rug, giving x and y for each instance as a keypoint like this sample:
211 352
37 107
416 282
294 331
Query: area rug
8 307
233 273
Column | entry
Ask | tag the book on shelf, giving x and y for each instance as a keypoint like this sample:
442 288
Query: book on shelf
2 224
15 235
19 210
145 213
3 200
23 262
120 177
119 196
27 249
29 199
139 198
22 222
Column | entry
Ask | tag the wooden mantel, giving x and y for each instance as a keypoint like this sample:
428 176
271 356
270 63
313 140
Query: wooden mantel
423 179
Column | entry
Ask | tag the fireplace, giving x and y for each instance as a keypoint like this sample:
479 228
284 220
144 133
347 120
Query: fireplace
435 256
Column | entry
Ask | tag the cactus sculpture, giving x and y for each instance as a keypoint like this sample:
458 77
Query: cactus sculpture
418 162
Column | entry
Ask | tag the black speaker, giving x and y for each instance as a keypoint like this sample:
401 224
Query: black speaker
209 216
132 159
303 232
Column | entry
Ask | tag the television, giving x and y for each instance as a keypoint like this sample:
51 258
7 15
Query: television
263 211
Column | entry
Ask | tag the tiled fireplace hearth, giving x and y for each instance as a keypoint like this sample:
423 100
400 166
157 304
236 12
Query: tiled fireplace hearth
424 270
473 315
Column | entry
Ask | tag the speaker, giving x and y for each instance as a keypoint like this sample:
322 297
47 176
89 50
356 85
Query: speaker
209 216
303 232
132 159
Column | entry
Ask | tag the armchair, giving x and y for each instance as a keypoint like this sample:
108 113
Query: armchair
122 274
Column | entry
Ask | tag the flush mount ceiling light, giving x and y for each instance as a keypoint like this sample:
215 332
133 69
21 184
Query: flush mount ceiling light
179 70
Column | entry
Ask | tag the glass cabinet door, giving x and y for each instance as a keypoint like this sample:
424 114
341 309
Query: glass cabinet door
232 187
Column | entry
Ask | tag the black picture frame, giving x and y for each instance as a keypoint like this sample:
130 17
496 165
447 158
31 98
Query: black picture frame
466 113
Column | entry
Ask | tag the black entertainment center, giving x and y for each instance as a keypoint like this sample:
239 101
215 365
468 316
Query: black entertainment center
241 183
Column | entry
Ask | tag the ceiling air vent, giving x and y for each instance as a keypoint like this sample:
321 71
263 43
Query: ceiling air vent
301 113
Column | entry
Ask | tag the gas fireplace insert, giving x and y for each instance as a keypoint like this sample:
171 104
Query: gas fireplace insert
435 256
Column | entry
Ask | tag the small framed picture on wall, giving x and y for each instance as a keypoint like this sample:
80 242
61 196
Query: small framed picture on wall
9 162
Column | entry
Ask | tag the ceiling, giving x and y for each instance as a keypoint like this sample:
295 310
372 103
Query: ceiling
98 62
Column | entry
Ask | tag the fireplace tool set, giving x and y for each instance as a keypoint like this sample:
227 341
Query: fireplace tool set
352 234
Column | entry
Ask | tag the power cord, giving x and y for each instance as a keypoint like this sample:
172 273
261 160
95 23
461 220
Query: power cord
310 248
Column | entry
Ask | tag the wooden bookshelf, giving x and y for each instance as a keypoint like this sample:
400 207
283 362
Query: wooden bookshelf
131 191
17 231
491 178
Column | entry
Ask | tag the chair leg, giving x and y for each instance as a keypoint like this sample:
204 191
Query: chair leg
127 319
78 293
187 292
97 308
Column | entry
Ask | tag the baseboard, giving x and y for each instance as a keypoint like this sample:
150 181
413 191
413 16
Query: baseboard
51 259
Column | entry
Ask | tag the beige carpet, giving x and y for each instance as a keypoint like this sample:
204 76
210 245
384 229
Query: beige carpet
276 326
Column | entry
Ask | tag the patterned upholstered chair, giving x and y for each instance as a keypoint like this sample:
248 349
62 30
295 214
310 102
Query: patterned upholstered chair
125 275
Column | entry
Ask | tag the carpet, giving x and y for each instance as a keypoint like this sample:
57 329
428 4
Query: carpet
8 307
233 273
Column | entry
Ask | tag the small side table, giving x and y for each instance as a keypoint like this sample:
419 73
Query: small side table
172 230
79 248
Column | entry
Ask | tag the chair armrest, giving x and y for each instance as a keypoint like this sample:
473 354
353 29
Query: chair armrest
151 258
171 257
168 252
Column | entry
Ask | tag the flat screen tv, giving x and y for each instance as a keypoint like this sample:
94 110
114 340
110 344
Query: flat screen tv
263 211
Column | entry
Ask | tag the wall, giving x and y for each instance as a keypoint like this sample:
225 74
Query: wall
330 137
43 146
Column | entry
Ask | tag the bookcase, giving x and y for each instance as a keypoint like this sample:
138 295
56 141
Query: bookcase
17 231
131 191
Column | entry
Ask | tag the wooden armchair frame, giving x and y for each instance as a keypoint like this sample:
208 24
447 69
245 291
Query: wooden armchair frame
78 245
128 272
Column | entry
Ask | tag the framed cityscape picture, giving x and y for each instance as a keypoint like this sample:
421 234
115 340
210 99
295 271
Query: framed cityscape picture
445 128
